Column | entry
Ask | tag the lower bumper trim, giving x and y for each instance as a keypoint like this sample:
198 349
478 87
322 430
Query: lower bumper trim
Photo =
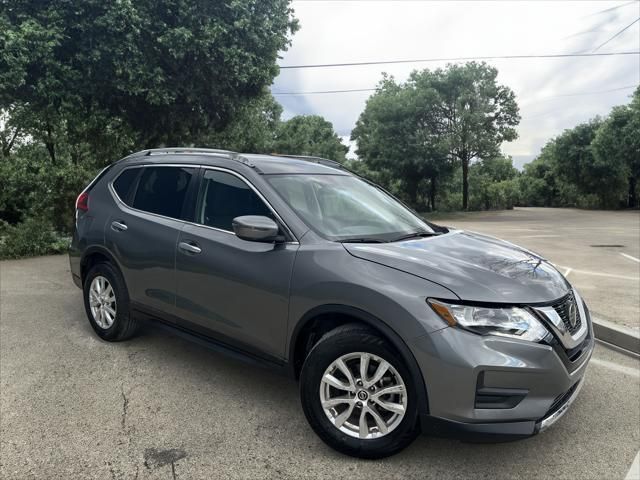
559 412
478 432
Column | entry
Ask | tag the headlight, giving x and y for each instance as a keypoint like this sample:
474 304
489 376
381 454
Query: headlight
510 322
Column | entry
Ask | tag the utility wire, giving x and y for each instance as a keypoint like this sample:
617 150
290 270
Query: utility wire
617 34
456 59
320 92
610 9
423 1
592 93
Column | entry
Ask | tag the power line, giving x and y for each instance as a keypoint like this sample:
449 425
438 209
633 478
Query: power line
321 92
318 92
610 9
620 32
422 1
457 59
592 93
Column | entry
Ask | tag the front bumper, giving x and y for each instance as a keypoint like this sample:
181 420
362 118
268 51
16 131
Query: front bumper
538 383
500 431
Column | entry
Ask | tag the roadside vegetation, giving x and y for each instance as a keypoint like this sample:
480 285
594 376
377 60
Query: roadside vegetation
435 141
84 84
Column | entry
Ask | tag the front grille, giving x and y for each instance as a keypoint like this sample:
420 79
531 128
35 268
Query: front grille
567 309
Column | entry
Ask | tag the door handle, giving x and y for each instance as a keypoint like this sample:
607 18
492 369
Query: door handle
119 226
189 247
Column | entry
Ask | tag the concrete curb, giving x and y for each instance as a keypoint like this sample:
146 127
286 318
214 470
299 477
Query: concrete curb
622 337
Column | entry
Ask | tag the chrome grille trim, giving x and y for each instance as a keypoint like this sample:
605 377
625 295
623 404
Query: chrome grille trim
566 308
568 339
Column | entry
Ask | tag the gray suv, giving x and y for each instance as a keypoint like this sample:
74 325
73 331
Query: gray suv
393 325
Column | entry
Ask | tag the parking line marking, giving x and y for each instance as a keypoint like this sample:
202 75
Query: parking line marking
634 471
633 372
567 272
540 236
630 257
599 274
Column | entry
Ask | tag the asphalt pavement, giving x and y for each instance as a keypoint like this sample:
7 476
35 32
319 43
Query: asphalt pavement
73 406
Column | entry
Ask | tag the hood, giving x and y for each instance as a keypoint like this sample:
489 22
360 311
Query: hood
475 267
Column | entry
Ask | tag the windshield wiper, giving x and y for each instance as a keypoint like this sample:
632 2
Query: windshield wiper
361 240
416 235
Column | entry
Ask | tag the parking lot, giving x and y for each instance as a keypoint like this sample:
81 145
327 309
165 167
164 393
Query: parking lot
72 406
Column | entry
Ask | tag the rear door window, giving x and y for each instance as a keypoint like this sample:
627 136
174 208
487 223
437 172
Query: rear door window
163 190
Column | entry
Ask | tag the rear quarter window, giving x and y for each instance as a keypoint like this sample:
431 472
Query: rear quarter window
123 185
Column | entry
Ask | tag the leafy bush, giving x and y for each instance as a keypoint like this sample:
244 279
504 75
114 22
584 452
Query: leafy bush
19 176
32 237
34 187
57 192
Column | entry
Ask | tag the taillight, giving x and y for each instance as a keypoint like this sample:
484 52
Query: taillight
82 202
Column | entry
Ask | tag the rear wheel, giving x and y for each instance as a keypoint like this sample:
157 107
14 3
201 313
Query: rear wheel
358 395
106 302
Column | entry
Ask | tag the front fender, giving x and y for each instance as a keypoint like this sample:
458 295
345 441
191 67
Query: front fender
328 275
327 279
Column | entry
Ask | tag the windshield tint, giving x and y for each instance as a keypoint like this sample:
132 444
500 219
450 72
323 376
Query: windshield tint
343 208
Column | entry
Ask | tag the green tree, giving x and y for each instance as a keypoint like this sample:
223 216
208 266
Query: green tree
12 131
477 113
309 135
539 181
399 132
252 129
171 71
617 145
575 161
493 184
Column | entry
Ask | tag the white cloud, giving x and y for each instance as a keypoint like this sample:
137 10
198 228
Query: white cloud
350 31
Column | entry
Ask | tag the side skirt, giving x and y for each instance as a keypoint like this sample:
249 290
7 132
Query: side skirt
224 346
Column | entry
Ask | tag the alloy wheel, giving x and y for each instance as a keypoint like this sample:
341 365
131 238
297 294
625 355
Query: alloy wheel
363 395
102 302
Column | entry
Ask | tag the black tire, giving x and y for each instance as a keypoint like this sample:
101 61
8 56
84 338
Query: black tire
341 341
124 325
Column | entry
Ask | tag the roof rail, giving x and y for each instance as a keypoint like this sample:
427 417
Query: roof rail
194 151
311 158
168 150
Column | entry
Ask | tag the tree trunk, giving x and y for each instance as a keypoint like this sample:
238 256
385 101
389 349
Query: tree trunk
432 194
49 143
52 151
412 191
465 181
633 196
6 147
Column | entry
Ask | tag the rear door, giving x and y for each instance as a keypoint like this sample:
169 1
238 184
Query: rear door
143 231
233 289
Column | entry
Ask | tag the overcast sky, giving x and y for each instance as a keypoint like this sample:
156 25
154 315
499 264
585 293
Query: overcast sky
333 31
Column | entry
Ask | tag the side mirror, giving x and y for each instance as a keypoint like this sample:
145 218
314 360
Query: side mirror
256 228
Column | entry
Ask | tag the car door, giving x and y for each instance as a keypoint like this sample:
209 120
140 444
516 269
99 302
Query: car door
143 231
233 289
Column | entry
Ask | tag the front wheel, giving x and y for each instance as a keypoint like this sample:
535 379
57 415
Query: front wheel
358 395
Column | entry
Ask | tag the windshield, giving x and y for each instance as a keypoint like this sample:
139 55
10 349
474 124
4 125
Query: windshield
345 208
